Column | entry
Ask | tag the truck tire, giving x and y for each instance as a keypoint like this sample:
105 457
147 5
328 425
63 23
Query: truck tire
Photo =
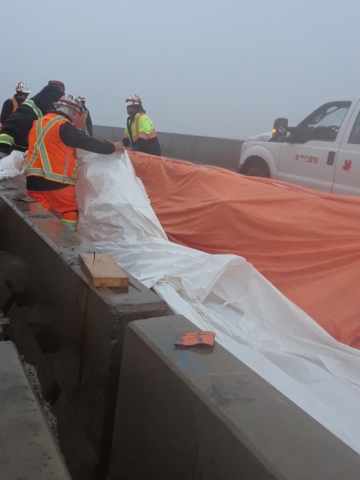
256 168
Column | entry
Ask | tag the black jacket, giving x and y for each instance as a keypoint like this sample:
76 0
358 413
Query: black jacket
71 137
151 146
19 124
89 125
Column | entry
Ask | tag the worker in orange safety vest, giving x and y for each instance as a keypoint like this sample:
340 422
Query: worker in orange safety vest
11 104
51 162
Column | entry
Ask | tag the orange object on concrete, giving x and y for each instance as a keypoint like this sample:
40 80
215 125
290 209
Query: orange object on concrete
191 339
305 242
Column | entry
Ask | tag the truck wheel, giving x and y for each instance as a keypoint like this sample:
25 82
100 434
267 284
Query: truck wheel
256 168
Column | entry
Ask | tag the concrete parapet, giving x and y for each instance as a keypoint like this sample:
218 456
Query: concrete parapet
85 326
219 152
202 414
27 448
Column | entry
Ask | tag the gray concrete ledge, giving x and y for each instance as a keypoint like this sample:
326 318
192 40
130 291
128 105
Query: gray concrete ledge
85 325
27 448
202 414
220 152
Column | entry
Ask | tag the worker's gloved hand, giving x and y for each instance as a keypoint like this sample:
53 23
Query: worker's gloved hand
119 146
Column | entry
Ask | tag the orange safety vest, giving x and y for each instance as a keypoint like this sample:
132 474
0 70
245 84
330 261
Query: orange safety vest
48 156
15 106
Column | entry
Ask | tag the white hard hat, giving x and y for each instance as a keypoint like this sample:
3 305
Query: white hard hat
133 100
22 87
71 102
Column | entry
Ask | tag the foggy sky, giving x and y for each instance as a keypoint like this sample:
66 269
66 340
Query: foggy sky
206 67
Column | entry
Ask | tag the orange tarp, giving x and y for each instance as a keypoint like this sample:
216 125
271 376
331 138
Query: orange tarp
305 242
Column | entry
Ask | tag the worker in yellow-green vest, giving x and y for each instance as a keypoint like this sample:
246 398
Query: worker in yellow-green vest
140 133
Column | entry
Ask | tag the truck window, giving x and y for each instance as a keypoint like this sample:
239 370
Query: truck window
355 132
324 124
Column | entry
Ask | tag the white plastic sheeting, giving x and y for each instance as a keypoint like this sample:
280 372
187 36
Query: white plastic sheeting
225 294
12 165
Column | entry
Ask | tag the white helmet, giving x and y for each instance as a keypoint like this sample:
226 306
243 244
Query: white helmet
133 100
82 99
22 87
70 102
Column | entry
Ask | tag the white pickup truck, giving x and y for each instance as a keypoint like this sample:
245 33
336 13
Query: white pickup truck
322 152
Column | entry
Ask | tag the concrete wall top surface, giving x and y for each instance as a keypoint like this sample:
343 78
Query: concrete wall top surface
85 325
201 413
220 152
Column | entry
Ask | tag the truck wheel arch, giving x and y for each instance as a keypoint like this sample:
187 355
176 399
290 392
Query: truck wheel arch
256 166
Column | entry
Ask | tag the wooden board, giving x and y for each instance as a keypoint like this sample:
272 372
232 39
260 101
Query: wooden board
103 271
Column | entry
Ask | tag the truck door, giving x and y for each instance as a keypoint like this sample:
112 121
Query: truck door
309 156
347 171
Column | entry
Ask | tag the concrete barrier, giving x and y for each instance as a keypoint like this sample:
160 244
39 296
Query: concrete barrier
220 152
82 338
179 413
202 414
27 448
108 133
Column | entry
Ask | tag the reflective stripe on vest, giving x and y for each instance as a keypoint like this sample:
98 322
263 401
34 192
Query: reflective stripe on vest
36 110
70 223
40 150
6 139
134 136
15 104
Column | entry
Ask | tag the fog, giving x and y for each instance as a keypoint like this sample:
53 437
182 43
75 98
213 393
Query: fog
216 68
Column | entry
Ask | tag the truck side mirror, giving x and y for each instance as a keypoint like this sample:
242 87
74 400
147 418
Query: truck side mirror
280 130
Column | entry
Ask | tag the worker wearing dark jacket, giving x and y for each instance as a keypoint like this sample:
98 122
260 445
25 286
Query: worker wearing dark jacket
88 123
88 126
15 131
51 163
12 104
140 133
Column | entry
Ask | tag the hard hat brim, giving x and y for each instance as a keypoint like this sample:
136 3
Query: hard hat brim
63 104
